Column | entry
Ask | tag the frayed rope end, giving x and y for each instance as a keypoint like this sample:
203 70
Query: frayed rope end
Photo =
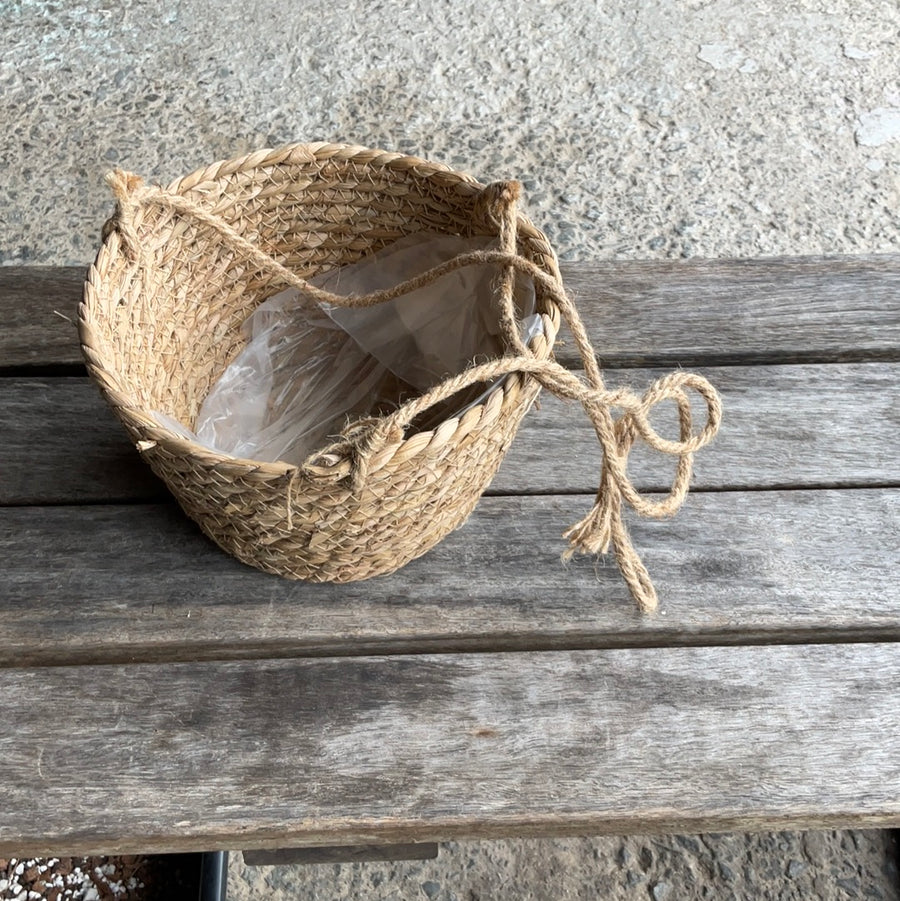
123 184
593 535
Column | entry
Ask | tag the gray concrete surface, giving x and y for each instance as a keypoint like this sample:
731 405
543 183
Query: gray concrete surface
804 866
640 128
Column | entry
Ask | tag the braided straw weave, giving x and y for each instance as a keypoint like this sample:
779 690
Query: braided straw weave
182 267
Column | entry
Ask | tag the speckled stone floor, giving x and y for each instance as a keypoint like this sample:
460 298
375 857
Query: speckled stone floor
802 866
642 128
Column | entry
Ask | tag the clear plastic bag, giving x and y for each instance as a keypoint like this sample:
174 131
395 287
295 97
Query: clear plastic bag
297 381
308 369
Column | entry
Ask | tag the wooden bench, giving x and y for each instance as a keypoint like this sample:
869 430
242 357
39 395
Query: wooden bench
156 695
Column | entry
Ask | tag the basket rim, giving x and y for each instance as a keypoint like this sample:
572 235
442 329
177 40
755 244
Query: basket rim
319 152
153 433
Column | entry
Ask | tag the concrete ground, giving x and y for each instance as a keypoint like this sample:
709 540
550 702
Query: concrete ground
802 866
640 128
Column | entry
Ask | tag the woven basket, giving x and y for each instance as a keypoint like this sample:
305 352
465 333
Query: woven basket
161 319
182 267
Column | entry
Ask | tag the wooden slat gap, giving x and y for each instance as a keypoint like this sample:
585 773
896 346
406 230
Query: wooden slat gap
627 360
125 500
167 655
702 489
165 498
573 361
566 357
44 371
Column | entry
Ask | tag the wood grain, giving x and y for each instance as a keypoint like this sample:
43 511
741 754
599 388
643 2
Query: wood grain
60 443
123 583
32 333
797 426
788 309
137 759
640 313
789 425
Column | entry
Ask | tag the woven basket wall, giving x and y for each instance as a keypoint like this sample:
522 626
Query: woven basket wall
161 321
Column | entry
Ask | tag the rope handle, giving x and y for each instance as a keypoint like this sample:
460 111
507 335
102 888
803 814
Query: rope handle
603 525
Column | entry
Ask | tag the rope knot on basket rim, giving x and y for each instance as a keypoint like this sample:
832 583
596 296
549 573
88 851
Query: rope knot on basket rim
128 189
604 525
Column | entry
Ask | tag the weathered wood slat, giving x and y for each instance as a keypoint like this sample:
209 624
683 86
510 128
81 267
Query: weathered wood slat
367 750
639 312
123 583
32 333
789 309
790 425
60 443
796 426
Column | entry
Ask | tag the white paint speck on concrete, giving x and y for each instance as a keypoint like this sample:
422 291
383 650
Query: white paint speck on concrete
877 127
721 56
852 52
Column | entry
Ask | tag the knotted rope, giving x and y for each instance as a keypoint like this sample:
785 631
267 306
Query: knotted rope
604 524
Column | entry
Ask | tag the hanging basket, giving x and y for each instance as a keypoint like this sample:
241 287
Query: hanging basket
182 267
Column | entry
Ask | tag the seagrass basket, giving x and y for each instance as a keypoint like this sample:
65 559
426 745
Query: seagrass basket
182 267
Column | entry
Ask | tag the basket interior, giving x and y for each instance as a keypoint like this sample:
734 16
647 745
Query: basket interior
173 318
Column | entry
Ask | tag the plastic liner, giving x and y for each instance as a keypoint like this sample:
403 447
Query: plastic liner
308 369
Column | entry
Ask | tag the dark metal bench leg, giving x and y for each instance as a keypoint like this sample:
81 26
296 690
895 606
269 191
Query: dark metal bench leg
341 854
213 876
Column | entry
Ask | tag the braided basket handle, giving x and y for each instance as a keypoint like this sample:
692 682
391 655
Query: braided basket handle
603 525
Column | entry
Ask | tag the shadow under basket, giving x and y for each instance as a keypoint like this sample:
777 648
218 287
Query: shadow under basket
182 267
